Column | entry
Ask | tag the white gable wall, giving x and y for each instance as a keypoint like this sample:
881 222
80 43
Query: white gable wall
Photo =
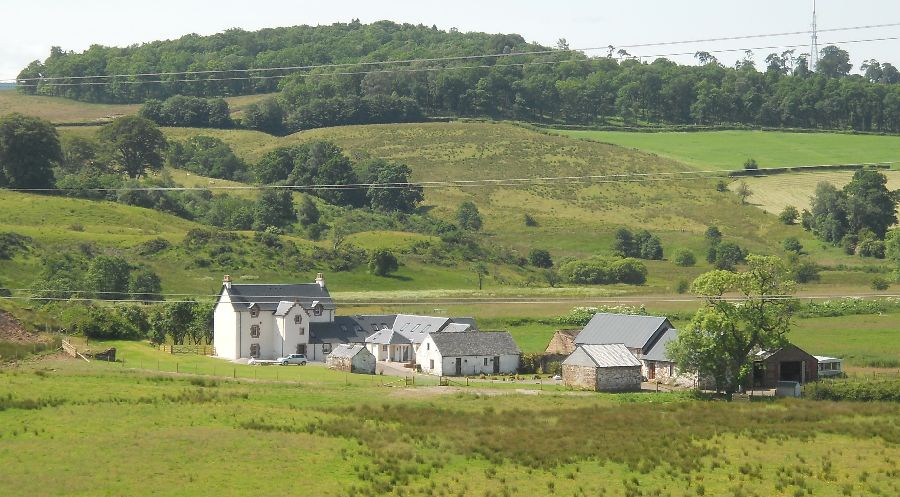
225 331
471 365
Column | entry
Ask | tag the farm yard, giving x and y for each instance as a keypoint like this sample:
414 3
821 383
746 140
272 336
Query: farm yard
75 423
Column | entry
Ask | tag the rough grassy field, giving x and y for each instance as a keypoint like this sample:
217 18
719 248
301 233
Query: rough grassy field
73 428
61 110
773 193
729 149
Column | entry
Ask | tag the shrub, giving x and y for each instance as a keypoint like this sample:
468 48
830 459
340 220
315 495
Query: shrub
540 258
721 186
791 244
468 216
12 243
530 221
153 246
598 271
751 165
879 283
887 390
789 215
805 271
682 286
383 262
870 247
684 258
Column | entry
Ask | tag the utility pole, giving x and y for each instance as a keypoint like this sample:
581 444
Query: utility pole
814 42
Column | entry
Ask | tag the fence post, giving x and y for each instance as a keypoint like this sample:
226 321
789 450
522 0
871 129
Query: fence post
157 365
234 372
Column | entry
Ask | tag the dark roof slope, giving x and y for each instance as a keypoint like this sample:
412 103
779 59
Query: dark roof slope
348 329
658 351
267 297
635 332
480 343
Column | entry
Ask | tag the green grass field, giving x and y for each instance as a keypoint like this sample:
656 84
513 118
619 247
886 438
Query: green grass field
76 429
713 150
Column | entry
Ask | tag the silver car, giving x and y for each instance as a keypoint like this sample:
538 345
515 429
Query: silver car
292 359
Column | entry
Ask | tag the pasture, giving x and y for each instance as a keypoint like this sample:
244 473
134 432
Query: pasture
727 150
773 193
67 427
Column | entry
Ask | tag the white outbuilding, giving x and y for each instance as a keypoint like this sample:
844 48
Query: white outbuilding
468 353
608 367
352 358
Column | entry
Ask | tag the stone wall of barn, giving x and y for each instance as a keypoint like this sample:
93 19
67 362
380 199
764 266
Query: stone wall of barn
584 377
619 379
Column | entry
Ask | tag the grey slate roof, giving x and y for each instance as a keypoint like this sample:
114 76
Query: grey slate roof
347 351
480 343
413 329
348 329
457 328
268 297
635 332
658 351
611 355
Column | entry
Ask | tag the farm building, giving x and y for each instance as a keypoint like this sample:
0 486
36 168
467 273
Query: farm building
562 343
401 341
608 367
829 366
354 358
468 353
637 333
789 363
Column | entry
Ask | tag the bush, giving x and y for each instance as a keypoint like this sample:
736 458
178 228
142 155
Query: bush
530 221
599 270
805 271
11 244
540 258
726 255
879 283
789 215
383 262
682 286
721 186
153 246
887 390
750 165
792 245
468 216
684 258
870 247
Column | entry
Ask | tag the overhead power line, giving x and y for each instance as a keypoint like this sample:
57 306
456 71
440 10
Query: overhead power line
457 183
309 67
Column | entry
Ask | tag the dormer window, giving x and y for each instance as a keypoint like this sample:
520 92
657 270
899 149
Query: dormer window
317 310
384 326
298 319
374 327
254 312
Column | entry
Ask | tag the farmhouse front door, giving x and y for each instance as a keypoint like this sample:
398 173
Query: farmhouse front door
496 364
458 366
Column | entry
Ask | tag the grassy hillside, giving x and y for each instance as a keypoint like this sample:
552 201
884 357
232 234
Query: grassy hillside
63 110
575 219
729 149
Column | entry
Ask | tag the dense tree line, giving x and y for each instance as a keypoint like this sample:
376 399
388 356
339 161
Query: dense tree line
563 86
194 112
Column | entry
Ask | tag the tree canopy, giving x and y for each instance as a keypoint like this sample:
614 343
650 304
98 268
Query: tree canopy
29 148
723 334
137 143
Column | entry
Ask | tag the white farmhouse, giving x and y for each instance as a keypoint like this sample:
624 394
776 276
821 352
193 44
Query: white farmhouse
269 321
401 341
466 354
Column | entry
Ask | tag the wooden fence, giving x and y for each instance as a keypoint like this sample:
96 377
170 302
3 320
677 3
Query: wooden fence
73 351
188 349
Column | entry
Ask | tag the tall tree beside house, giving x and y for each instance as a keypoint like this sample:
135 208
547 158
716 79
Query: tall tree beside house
137 144
29 148
723 334
177 319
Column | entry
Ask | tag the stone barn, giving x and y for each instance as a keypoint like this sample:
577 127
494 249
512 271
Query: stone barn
789 363
609 367
352 358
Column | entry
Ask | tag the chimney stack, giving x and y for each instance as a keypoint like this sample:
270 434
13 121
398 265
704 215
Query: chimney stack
320 279
227 281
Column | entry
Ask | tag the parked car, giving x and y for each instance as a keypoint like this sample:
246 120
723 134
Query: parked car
292 359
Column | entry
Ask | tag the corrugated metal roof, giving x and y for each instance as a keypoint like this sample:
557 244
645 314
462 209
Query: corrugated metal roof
632 331
611 355
477 343
658 351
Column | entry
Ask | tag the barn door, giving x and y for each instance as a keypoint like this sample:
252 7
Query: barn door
496 364
651 371
459 366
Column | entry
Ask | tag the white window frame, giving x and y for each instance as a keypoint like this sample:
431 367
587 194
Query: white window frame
298 319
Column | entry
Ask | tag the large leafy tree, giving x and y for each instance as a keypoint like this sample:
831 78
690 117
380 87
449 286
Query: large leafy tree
109 277
137 144
869 202
468 216
390 192
724 333
29 148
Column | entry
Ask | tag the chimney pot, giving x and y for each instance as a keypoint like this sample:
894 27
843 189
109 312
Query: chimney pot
227 281
320 279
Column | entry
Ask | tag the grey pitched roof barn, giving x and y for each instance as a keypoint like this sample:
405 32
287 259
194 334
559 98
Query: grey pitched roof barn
268 297
493 343
612 355
635 332
347 351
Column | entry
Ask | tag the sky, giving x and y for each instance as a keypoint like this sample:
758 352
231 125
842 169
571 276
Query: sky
29 29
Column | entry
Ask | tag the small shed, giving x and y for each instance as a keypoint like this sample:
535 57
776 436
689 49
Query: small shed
352 358
610 367
789 363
